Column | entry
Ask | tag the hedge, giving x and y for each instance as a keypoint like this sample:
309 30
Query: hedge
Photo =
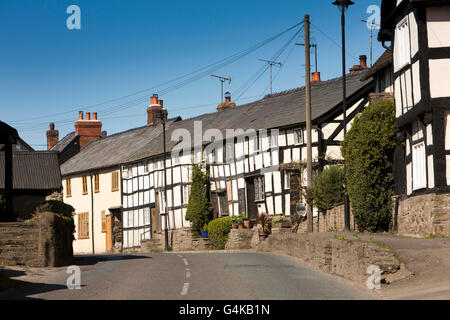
329 188
368 150
218 231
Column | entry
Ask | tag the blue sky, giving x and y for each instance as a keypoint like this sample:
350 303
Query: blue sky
49 72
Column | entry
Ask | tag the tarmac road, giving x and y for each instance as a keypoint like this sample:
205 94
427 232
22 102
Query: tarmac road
186 276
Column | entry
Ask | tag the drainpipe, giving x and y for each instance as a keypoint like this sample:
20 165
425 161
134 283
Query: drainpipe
92 214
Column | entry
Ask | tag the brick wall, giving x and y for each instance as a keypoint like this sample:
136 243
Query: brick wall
46 241
420 215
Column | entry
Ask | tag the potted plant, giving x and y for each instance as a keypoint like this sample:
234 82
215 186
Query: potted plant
234 224
246 223
264 226
205 231
241 225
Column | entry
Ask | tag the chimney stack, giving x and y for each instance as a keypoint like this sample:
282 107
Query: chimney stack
155 106
52 136
315 77
88 129
227 104
362 64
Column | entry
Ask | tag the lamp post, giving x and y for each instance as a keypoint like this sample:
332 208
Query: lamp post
343 6
161 116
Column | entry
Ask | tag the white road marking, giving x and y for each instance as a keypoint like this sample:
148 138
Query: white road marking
185 289
188 273
179 256
185 262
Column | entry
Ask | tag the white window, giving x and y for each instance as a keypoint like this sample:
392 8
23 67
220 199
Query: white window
259 189
146 216
186 191
287 180
273 139
298 136
419 166
402 45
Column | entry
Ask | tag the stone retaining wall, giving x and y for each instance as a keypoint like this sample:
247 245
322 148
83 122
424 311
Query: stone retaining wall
46 241
346 258
179 240
239 239
331 220
420 215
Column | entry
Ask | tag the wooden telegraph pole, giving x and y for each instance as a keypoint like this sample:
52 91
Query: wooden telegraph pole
309 213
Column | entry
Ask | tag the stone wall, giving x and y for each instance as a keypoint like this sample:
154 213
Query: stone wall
346 258
46 241
420 215
239 239
331 220
179 240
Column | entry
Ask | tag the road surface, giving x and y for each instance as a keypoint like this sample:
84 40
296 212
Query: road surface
187 276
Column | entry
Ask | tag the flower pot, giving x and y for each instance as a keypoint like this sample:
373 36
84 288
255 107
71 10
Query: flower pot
204 234
241 227
247 224
234 225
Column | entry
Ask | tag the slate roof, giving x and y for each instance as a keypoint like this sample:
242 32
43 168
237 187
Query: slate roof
383 61
36 170
64 142
5 131
273 111
111 150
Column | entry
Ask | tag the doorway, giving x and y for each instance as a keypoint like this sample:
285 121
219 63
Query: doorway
252 209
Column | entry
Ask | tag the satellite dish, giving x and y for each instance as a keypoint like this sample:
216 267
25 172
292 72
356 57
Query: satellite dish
300 209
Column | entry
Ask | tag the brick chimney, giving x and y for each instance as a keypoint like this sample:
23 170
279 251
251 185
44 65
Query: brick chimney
227 104
88 129
315 77
362 64
156 106
52 136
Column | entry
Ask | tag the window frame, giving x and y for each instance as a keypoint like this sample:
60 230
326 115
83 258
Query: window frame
403 41
68 188
419 166
114 181
83 226
96 183
84 185
259 189
287 180
301 140
103 213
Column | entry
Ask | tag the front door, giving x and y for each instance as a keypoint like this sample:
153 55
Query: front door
252 209
108 234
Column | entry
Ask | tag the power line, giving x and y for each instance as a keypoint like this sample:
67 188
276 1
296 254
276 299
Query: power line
332 40
195 76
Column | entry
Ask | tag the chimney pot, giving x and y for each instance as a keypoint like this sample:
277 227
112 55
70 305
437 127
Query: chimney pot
94 115
227 104
363 61
161 103
80 115
154 99
52 136
88 116
315 77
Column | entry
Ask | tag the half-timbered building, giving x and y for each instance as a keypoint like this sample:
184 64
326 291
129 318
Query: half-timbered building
418 33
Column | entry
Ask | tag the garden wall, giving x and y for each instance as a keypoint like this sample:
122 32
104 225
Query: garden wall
46 241
420 215
331 220
346 258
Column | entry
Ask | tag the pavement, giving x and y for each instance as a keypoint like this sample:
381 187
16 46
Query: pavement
184 276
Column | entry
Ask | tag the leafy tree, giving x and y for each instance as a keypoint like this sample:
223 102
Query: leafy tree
368 150
198 212
329 188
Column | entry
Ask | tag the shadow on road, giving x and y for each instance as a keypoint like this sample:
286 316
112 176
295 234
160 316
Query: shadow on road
94 259
24 290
